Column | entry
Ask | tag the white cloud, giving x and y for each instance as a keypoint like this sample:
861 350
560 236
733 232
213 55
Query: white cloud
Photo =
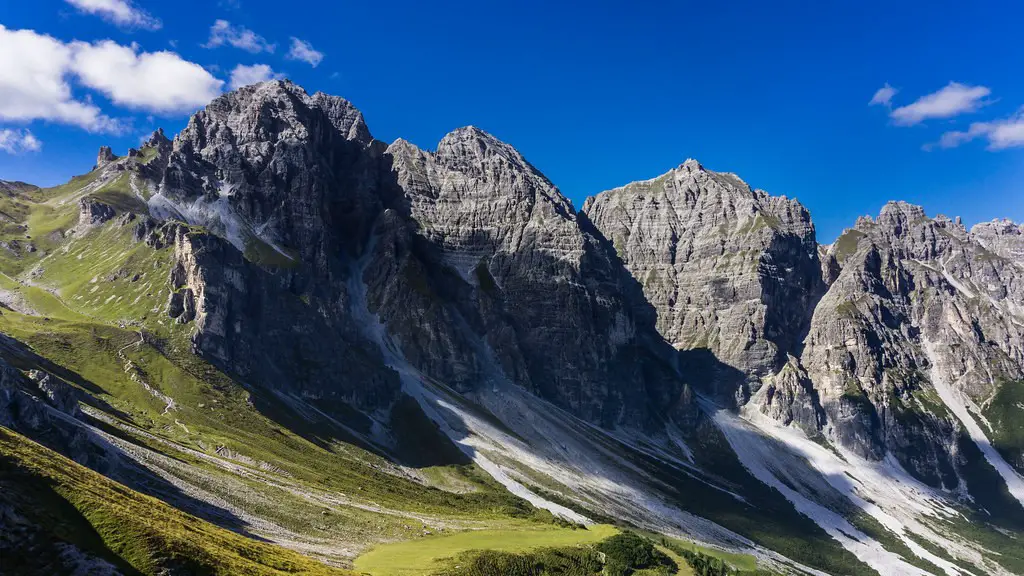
246 75
36 74
154 81
34 71
17 141
302 50
120 12
1001 134
223 32
953 100
883 96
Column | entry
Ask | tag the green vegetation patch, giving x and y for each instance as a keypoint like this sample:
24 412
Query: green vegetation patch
417 557
624 554
847 243
1005 412
143 535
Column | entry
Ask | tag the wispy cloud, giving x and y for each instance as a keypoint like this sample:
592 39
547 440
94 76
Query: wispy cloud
120 12
223 32
246 75
303 51
883 97
1001 134
18 141
950 101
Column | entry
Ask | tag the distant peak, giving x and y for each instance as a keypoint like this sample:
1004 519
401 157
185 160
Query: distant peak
897 208
158 139
691 165
460 137
468 133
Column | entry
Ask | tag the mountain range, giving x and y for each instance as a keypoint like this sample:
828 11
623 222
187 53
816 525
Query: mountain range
275 344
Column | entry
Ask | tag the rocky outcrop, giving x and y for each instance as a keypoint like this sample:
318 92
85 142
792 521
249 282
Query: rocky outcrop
59 393
104 157
729 269
250 322
92 212
270 166
919 303
1004 238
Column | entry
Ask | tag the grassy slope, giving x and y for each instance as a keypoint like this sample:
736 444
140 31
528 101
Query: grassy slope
94 292
124 527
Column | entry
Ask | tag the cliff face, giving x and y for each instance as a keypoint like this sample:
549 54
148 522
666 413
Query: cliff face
469 256
525 274
729 269
866 340
923 316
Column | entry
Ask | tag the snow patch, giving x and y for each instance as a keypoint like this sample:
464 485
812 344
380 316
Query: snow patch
779 457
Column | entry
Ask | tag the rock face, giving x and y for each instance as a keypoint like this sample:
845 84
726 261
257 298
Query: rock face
104 157
478 267
1003 237
92 212
526 276
249 321
729 269
867 340
269 165
921 307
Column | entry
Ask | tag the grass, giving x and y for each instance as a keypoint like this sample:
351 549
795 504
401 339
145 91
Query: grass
417 557
68 503
847 243
1006 414
744 562
682 566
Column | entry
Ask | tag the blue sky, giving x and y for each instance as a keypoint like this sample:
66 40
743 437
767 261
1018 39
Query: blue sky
594 97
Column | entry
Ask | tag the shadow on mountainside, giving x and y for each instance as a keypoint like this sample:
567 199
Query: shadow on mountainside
43 524
80 437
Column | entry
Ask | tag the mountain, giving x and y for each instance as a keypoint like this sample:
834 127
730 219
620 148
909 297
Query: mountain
308 344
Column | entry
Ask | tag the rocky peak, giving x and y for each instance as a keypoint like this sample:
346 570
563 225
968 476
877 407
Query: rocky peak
480 154
543 292
1003 237
899 211
274 166
729 269
691 165
159 142
918 301
104 157
345 117
910 233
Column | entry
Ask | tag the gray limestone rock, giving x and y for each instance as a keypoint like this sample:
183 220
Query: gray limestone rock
104 157
728 268
92 212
